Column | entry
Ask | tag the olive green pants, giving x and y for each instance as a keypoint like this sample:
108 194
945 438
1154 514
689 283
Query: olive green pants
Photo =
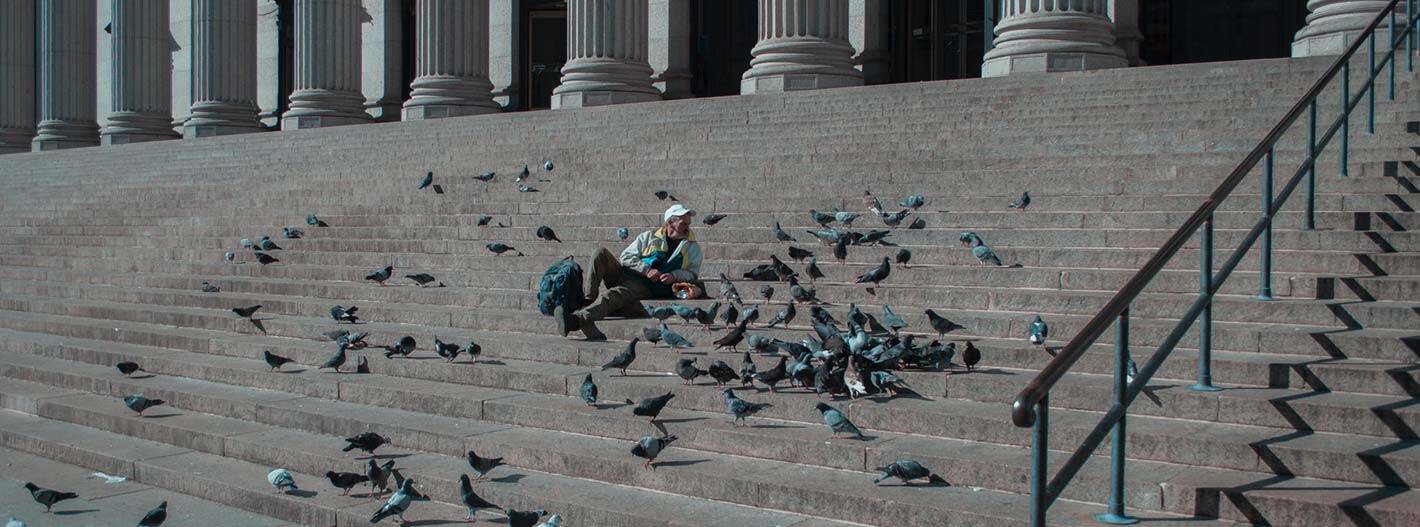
625 289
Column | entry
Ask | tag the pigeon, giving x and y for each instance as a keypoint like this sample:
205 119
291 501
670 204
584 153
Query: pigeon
624 359
687 370
337 360
623 233
15 522
422 279
273 360
673 339
524 518
845 217
730 315
970 356
886 381
229 257
313 221
589 390
545 233
872 202
747 369
651 407
482 465
473 350
907 470
363 366
365 441
940 324
840 250
838 422
713 219
381 275
722 373
128 368
428 180
403 348
733 338
447 350
499 248
876 274
649 447
664 195
139 403
773 375
801 294
749 315
378 476
706 317
728 291
1022 202
266 258
1039 330
914 201
345 480
547 165
826 236
344 314
853 380
784 316
207 287
282 480
979 249
48 497
780 235
552 521
292 233
523 176
895 219
917 224
246 312
247 243
484 219
398 503
155 517
266 244
486 176
903 256
1131 371
766 291
471 500
820 218
798 254
741 408
813 271
891 320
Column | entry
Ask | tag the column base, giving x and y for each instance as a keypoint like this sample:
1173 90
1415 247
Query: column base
1050 62
302 122
324 108
439 111
136 127
787 82
195 131
1335 43
13 140
586 99
61 135
129 138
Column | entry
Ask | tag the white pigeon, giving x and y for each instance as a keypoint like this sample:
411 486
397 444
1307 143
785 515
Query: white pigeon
109 478
14 523
554 521
282 480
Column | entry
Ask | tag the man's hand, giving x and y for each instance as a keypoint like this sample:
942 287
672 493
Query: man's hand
653 274
665 278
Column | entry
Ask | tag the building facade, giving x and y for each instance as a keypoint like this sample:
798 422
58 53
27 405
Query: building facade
77 73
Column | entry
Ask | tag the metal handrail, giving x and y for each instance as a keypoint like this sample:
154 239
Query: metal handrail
1031 405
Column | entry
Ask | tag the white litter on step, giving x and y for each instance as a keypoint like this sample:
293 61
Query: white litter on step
109 478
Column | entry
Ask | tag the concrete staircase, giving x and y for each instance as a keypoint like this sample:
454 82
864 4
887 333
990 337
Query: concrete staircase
102 251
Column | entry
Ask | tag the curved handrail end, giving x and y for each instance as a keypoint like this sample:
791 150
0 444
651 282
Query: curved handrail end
1022 412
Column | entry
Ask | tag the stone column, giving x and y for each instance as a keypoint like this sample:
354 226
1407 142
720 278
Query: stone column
504 39
1053 35
223 68
668 28
606 52
803 45
1125 15
327 70
451 66
67 101
142 83
1332 25
868 32
17 76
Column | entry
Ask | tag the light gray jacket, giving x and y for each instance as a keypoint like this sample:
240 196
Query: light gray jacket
641 247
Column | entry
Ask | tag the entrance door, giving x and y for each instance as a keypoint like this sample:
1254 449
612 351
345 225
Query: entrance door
545 52
937 39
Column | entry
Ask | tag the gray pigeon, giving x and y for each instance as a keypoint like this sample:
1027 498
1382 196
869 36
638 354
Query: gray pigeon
48 497
589 391
622 360
399 502
266 259
482 465
155 517
344 314
207 287
547 166
651 407
687 370
820 218
1022 202
895 219
471 500
313 221
1039 330
518 518
292 233
780 235
282 480
903 256
337 360
876 275
500 248
649 447
486 176
907 470
139 403
784 316
484 219
891 320
673 339
266 244
728 291
381 275
813 271
273 360
741 408
914 201
546 233
623 233
379 476
766 291
230 256
940 324
428 180
838 422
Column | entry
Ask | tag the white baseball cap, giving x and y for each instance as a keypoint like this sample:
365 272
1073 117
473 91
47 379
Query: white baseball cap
676 210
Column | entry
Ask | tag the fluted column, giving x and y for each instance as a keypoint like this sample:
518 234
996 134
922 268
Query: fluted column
668 31
142 85
1053 35
1125 15
1332 25
223 68
451 63
803 45
68 103
606 52
327 69
17 76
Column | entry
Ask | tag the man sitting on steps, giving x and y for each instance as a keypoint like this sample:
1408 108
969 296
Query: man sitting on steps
648 268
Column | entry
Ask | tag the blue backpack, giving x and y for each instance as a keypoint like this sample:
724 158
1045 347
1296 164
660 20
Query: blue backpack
561 285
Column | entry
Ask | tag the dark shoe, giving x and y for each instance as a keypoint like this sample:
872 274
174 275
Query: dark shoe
589 328
566 322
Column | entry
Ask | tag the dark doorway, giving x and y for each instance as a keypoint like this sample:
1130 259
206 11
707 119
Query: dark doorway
285 57
544 53
1184 31
722 35
936 39
409 47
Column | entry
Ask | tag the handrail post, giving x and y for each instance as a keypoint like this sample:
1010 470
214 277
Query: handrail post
1410 36
1039 443
1264 291
1309 219
1205 321
1371 92
1345 117
1115 515
1391 49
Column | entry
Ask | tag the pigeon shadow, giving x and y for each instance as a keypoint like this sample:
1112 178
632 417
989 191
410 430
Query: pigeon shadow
682 463
385 456
604 406
510 478
491 362
776 427
73 512
291 371
438 189
259 325
301 493
159 416
148 376
433 522
681 420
